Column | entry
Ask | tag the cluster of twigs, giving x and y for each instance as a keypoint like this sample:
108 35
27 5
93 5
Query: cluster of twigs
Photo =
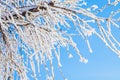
30 33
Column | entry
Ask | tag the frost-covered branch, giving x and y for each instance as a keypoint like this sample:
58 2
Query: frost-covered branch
33 31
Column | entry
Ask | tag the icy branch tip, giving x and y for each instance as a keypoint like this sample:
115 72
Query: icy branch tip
70 56
84 60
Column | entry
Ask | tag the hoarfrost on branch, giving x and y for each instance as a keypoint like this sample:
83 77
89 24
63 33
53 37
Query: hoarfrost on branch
31 31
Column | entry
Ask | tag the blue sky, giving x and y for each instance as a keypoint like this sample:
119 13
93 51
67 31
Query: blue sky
103 64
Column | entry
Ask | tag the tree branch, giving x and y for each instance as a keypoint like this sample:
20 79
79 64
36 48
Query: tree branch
33 9
3 34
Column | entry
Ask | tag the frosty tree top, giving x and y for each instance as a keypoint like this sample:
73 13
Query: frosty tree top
31 31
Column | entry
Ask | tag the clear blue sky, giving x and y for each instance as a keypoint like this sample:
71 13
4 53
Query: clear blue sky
103 64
